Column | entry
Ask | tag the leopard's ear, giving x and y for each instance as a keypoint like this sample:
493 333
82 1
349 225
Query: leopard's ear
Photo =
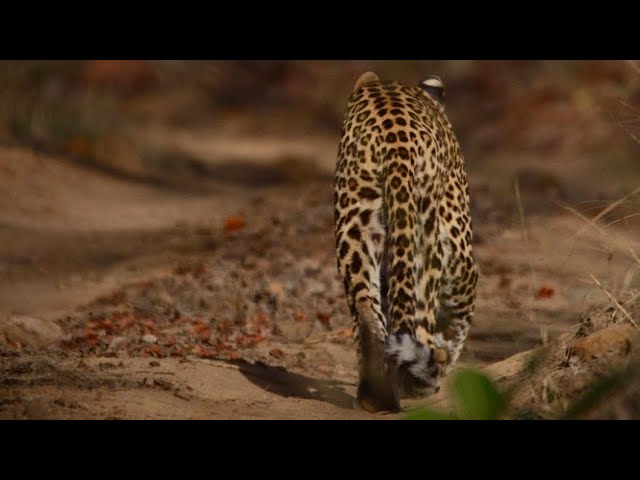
365 78
434 87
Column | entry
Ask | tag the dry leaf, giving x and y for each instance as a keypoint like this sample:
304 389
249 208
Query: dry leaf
202 352
545 292
233 223
324 319
277 353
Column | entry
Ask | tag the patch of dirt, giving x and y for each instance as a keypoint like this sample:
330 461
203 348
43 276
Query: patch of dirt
593 372
226 303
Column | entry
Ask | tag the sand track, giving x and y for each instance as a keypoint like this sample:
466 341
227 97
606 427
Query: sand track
71 234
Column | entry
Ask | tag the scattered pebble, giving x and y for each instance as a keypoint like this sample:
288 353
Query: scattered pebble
163 384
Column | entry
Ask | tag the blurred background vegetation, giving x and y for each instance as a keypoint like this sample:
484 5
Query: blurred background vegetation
77 106
115 113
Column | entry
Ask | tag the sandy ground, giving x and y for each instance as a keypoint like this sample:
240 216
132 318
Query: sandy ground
226 303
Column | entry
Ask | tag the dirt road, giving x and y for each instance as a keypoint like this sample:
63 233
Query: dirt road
226 303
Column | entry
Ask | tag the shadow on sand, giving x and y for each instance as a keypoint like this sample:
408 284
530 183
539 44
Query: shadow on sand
287 384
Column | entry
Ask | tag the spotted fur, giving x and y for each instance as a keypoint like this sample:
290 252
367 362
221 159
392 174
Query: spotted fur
403 238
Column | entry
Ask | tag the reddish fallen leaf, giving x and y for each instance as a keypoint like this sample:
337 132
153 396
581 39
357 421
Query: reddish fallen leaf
200 270
300 317
150 326
248 341
200 327
182 269
505 282
277 353
153 351
347 332
170 341
105 324
79 146
545 292
324 319
233 223
234 355
127 75
89 338
202 352
263 319
225 327
124 323
221 346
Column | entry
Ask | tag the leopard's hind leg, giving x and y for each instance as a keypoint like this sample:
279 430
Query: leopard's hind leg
360 238
457 290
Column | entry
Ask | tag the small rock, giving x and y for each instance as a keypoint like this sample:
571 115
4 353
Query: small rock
276 289
37 409
314 287
154 364
309 266
149 338
277 353
163 384
181 395
30 331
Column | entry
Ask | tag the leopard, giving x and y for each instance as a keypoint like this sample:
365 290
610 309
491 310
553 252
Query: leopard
403 238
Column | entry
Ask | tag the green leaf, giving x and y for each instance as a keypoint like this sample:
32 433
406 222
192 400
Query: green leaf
477 397
427 414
